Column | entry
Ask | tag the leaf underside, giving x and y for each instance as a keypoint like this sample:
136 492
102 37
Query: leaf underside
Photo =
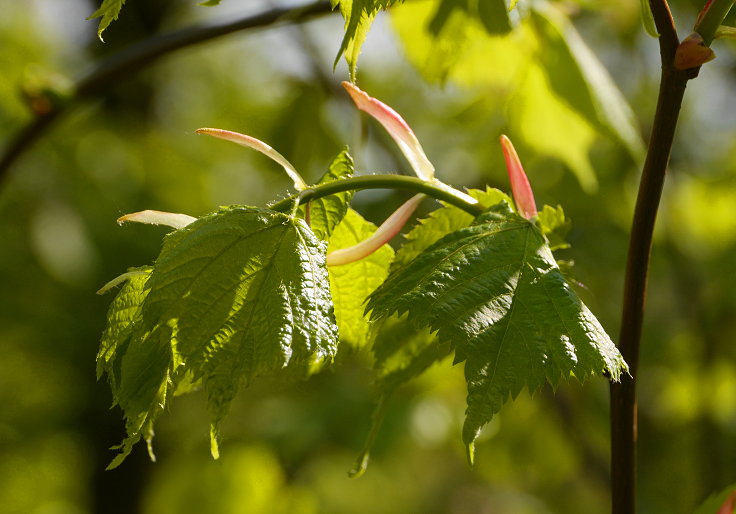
493 291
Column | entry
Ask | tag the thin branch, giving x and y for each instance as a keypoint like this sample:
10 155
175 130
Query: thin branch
623 394
122 65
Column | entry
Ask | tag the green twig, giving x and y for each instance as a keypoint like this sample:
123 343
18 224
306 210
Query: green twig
435 189
117 68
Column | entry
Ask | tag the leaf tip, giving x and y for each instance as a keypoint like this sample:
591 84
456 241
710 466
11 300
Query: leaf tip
360 465
470 453
214 441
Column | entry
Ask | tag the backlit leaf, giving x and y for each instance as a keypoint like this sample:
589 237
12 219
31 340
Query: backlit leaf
352 283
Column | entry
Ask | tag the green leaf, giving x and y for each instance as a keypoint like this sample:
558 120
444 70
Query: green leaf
647 19
492 14
495 293
239 293
440 222
327 212
211 2
123 311
555 226
559 96
109 12
577 76
351 284
403 352
549 126
358 15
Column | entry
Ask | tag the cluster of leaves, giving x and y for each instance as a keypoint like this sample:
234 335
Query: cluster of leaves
245 292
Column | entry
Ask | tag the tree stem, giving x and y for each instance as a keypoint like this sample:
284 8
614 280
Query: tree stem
623 394
435 189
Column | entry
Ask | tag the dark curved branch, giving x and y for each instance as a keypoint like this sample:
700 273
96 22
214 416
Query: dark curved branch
123 64
623 394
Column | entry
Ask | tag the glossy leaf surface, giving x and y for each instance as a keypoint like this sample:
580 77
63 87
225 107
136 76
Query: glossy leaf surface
495 293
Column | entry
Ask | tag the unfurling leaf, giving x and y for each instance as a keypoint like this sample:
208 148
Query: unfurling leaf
385 233
237 294
259 146
395 125
149 217
493 291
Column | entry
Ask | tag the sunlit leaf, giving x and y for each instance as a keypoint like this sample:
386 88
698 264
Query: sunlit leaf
555 226
351 284
492 14
548 126
580 79
494 292
441 222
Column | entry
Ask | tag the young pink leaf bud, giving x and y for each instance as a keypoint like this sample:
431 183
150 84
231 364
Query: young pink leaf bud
520 188
170 219
383 235
692 52
257 144
396 127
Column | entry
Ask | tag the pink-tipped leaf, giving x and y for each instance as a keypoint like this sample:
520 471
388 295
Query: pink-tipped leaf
149 217
520 187
260 146
385 233
396 127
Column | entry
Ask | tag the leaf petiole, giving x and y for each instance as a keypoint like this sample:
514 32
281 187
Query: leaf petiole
433 188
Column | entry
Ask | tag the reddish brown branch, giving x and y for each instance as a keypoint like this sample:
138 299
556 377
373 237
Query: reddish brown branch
623 394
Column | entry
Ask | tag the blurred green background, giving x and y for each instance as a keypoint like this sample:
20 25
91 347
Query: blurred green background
287 447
